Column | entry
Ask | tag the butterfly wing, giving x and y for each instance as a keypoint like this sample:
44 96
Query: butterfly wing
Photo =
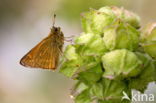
44 55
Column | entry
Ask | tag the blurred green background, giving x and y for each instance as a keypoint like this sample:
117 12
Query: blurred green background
23 23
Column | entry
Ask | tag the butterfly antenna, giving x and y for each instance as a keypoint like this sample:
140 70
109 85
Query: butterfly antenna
54 19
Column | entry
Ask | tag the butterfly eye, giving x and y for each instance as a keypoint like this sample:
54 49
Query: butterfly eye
56 30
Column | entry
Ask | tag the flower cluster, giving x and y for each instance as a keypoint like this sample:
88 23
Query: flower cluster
112 55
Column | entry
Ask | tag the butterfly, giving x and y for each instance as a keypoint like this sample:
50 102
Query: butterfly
46 54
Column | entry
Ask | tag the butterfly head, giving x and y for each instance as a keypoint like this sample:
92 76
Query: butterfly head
56 30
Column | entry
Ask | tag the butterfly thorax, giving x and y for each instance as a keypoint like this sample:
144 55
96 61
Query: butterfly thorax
57 35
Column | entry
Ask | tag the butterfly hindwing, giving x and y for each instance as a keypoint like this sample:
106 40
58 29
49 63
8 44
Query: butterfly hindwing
44 55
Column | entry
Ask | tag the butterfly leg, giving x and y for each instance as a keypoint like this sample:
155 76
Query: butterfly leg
70 41
72 36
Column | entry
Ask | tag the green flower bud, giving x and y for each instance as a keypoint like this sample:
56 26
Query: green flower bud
121 35
70 53
127 16
84 38
121 63
96 20
90 44
80 67
149 40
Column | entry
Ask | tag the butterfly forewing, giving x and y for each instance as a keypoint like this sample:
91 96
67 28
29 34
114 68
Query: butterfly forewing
44 55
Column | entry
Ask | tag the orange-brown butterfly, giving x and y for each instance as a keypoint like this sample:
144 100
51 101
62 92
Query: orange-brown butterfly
46 54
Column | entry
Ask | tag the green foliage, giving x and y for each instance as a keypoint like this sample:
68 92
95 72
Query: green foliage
110 57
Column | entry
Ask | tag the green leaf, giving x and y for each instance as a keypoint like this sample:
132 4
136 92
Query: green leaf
78 88
97 90
91 75
83 97
114 101
109 90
